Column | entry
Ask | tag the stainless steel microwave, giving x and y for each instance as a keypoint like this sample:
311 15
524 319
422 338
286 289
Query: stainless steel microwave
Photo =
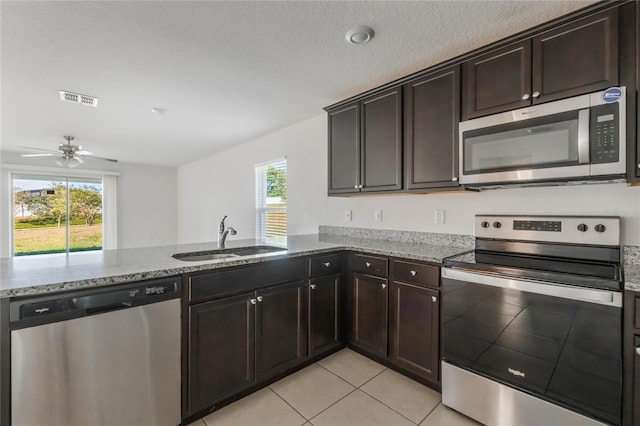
579 137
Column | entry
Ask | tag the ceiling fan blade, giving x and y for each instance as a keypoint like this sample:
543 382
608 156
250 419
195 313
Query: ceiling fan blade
95 157
40 149
38 155
84 153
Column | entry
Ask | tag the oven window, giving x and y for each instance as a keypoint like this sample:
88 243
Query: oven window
536 143
566 351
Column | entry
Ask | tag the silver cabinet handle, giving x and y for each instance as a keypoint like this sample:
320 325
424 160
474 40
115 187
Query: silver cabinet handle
434 299
454 179
355 187
313 286
327 264
360 186
639 165
525 96
384 286
638 351
253 301
414 273
259 298
535 94
368 264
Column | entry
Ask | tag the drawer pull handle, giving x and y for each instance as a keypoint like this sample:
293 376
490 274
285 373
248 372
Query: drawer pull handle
327 264
259 298
414 273
368 264
434 299
313 286
253 301
384 286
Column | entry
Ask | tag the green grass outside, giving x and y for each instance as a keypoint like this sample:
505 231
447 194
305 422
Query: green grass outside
46 240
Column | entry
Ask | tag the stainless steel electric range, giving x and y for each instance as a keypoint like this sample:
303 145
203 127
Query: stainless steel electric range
532 322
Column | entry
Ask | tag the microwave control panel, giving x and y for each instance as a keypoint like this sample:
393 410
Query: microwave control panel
605 133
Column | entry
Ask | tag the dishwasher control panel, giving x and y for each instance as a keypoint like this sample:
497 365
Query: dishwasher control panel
94 301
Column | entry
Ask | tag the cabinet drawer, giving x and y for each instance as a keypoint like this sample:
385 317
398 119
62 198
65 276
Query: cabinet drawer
369 265
217 284
324 265
415 273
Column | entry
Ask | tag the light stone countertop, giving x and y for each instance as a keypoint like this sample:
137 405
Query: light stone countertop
632 277
32 275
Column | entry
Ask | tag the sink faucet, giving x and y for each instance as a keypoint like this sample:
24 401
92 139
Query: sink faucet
223 233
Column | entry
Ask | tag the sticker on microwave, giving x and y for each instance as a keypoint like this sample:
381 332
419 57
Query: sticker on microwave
612 94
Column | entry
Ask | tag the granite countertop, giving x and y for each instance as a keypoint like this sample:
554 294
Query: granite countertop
32 275
632 277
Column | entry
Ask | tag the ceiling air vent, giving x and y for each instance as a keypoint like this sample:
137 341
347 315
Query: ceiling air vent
77 98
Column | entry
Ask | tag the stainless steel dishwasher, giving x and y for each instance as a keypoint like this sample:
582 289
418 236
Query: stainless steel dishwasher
97 357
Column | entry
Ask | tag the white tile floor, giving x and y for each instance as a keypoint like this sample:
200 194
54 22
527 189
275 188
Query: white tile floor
345 388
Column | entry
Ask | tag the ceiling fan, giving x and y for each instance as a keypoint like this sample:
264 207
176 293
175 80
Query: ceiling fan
69 155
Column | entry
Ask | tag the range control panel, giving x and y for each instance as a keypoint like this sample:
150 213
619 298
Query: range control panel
592 230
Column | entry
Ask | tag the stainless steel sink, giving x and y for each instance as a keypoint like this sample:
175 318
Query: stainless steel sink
227 253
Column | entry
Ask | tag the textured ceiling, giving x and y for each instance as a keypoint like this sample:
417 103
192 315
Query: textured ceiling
227 72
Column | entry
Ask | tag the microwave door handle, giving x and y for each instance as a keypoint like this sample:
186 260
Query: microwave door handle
583 136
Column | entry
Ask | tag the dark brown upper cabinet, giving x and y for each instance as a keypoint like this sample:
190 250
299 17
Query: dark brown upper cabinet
431 116
344 149
572 59
497 81
365 144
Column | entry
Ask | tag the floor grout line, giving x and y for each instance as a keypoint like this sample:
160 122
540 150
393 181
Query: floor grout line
352 391
429 413
287 402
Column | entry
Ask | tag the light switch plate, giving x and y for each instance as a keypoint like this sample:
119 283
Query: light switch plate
378 215
439 217
347 215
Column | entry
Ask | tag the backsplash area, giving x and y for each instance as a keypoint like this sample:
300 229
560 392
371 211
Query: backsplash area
465 241
632 255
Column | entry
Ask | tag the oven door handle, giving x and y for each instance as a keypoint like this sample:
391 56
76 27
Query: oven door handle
602 297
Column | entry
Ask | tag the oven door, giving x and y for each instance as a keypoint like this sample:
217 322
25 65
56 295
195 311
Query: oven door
559 343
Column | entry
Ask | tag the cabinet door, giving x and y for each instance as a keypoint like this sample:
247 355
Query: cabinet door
370 298
381 156
576 58
281 328
414 329
344 149
221 350
497 81
324 311
432 113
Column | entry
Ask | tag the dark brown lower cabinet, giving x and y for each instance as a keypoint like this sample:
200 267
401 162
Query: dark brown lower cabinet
221 349
324 314
238 341
369 315
636 381
281 329
414 330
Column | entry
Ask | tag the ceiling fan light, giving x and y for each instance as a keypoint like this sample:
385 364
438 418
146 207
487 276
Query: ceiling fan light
70 162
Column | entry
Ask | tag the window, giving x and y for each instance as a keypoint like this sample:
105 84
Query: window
53 214
271 201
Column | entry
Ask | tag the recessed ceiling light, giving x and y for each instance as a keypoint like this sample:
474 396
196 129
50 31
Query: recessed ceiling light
159 111
360 34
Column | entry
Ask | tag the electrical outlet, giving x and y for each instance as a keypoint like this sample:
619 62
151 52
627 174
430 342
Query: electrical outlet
347 215
439 217
378 215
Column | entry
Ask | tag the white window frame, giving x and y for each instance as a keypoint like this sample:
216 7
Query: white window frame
261 207
109 201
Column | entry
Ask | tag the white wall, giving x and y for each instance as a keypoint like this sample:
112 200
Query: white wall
147 212
147 200
224 184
